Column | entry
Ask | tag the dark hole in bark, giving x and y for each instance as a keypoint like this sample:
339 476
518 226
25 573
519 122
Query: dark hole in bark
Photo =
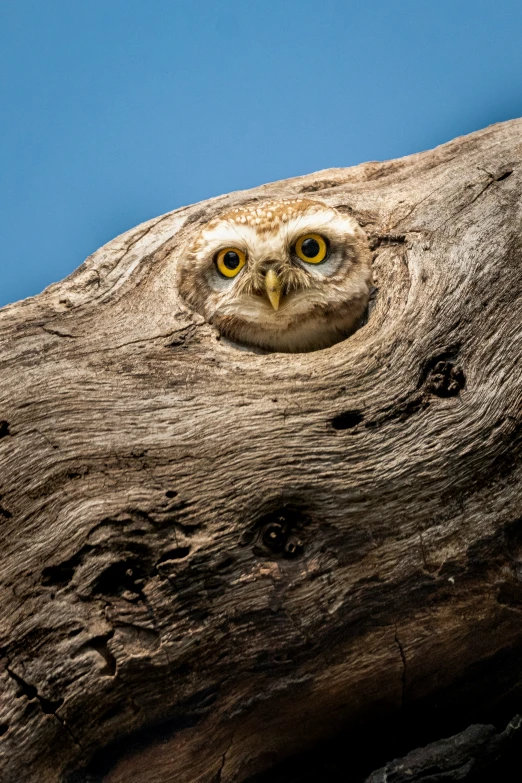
449 355
175 554
5 513
274 536
61 574
27 690
48 706
505 175
347 420
513 536
284 658
4 428
57 575
3 728
446 379
278 533
294 546
118 578
171 493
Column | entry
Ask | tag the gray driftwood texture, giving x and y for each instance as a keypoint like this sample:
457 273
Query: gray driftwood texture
226 557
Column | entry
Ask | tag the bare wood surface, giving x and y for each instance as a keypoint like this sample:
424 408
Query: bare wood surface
228 557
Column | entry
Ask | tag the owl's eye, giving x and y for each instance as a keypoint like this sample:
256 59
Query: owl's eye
311 248
230 261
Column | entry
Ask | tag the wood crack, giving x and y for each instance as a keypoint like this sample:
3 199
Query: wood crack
465 206
47 706
403 663
58 332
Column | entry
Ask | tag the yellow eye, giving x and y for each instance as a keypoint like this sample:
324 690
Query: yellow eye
311 248
230 261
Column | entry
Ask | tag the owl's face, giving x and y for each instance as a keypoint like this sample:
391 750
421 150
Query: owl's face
286 275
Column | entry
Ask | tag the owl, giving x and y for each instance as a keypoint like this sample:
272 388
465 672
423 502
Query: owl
287 275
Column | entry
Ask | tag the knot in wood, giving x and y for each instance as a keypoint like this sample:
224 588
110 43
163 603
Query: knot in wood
446 380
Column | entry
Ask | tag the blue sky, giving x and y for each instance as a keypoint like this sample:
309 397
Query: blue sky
114 111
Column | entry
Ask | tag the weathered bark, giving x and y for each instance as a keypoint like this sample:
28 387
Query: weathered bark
143 461
470 752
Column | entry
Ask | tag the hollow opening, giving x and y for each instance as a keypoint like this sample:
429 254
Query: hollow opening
347 420
118 577
505 175
178 553
48 706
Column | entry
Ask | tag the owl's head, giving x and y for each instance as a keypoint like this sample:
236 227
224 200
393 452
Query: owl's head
287 275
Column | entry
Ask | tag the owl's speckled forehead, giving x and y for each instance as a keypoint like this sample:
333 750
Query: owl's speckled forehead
269 215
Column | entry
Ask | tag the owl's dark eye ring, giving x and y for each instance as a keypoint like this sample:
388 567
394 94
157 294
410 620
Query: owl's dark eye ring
230 261
311 248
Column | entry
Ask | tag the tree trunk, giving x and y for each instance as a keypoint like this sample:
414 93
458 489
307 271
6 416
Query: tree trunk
151 629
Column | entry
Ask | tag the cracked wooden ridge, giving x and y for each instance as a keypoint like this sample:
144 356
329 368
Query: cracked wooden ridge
227 557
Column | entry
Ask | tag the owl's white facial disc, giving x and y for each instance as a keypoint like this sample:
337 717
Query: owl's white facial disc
287 275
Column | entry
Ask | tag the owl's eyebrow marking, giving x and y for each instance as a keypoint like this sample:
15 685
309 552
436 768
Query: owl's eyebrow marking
287 227
301 217
239 235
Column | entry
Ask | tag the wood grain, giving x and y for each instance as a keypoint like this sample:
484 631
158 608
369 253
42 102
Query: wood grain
212 559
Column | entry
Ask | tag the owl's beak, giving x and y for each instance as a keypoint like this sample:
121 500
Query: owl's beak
273 286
